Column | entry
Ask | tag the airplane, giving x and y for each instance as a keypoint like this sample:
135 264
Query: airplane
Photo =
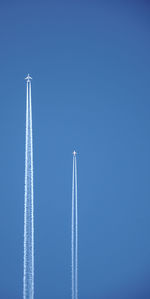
28 78
74 153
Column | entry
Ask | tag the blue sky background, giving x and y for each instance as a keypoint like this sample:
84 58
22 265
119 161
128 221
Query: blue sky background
90 62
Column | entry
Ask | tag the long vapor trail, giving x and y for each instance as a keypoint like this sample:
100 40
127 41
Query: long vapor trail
74 231
28 274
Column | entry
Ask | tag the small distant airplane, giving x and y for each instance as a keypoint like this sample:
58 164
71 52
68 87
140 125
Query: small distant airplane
74 153
28 78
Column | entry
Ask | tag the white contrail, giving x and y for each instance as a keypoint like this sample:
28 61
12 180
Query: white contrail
72 233
28 277
76 233
25 200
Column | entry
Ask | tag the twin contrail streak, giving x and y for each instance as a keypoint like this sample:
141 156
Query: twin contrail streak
74 237
28 275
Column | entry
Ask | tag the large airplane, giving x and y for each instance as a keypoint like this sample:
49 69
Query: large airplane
28 78
74 153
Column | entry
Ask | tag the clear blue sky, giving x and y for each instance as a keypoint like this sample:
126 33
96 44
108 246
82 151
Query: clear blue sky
90 62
